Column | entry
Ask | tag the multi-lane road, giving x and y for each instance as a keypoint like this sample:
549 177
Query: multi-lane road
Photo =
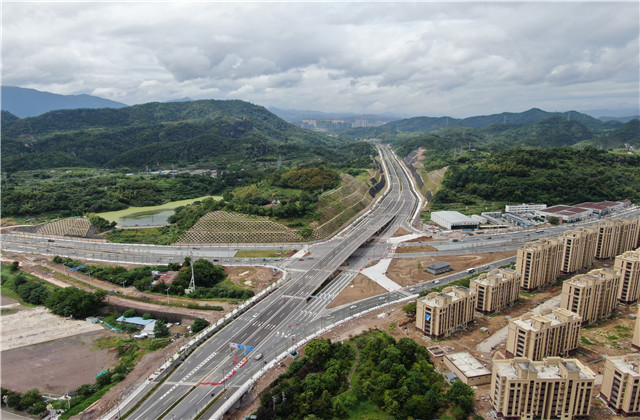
295 311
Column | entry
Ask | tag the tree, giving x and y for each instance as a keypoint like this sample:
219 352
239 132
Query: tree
461 395
319 351
410 308
161 330
14 266
100 223
554 220
74 302
198 325
129 313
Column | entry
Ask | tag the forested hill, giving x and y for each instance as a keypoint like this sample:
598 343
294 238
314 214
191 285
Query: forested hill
508 119
206 131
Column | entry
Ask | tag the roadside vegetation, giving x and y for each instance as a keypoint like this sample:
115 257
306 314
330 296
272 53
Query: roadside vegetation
370 376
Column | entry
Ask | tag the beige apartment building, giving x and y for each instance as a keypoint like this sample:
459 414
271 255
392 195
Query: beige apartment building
496 289
440 314
617 236
578 249
628 266
593 296
636 333
552 332
553 388
621 383
539 263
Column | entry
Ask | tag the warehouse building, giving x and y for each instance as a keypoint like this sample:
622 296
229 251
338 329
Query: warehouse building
567 214
453 220
524 208
554 388
467 368
593 296
552 332
621 383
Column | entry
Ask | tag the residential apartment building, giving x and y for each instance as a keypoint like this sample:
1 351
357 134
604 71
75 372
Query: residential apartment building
578 249
621 383
617 236
593 296
440 314
552 332
553 388
539 263
496 289
636 333
628 266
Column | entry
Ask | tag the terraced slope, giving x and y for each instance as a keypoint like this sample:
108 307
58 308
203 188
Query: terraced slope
335 208
66 227
222 226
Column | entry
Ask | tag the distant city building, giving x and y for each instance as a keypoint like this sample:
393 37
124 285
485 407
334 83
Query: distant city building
467 368
439 267
578 249
496 289
593 296
552 332
636 333
621 383
453 220
566 214
554 388
524 208
440 314
539 263
628 266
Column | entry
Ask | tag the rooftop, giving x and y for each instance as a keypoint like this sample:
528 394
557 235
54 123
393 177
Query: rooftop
629 364
603 205
453 217
136 320
565 210
468 364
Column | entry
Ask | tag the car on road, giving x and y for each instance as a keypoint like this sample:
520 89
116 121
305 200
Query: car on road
301 259
352 307
254 315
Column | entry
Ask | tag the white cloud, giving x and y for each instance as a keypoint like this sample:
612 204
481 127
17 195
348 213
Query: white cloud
418 58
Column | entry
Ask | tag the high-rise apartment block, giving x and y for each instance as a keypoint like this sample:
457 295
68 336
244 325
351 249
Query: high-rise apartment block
593 296
628 266
554 388
578 249
636 333
539 263
440 314
496 289
552 332
617 236
621 383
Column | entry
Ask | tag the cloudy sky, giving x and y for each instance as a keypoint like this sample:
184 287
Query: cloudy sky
449 58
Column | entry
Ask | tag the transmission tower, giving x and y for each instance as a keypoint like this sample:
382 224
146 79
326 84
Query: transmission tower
192 283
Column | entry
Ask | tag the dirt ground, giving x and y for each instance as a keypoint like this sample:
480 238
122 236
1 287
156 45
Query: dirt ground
257 278
56 366
38 325
401 232
410 271
361 287
415 248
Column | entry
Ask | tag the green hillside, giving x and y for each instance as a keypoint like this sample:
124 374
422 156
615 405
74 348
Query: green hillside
552 176
180 133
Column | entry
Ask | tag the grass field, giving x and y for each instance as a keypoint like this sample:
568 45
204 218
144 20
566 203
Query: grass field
116 216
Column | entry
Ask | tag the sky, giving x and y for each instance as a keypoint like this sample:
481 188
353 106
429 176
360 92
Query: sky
409 58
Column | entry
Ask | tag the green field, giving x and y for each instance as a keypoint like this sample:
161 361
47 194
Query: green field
136 212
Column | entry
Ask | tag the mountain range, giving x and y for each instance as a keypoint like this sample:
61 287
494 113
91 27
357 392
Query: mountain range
24 102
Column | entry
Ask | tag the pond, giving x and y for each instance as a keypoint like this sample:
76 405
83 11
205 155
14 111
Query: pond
149 215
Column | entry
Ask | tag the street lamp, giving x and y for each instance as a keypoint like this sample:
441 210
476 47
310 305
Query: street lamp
167 296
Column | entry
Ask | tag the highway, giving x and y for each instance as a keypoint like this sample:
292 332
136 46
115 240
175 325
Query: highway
294 311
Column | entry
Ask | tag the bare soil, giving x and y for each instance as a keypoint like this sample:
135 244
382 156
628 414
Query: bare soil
361 287
56 366
400 232
410 271
415 248
256 278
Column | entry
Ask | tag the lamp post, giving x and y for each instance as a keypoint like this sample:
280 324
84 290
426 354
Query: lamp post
167 296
